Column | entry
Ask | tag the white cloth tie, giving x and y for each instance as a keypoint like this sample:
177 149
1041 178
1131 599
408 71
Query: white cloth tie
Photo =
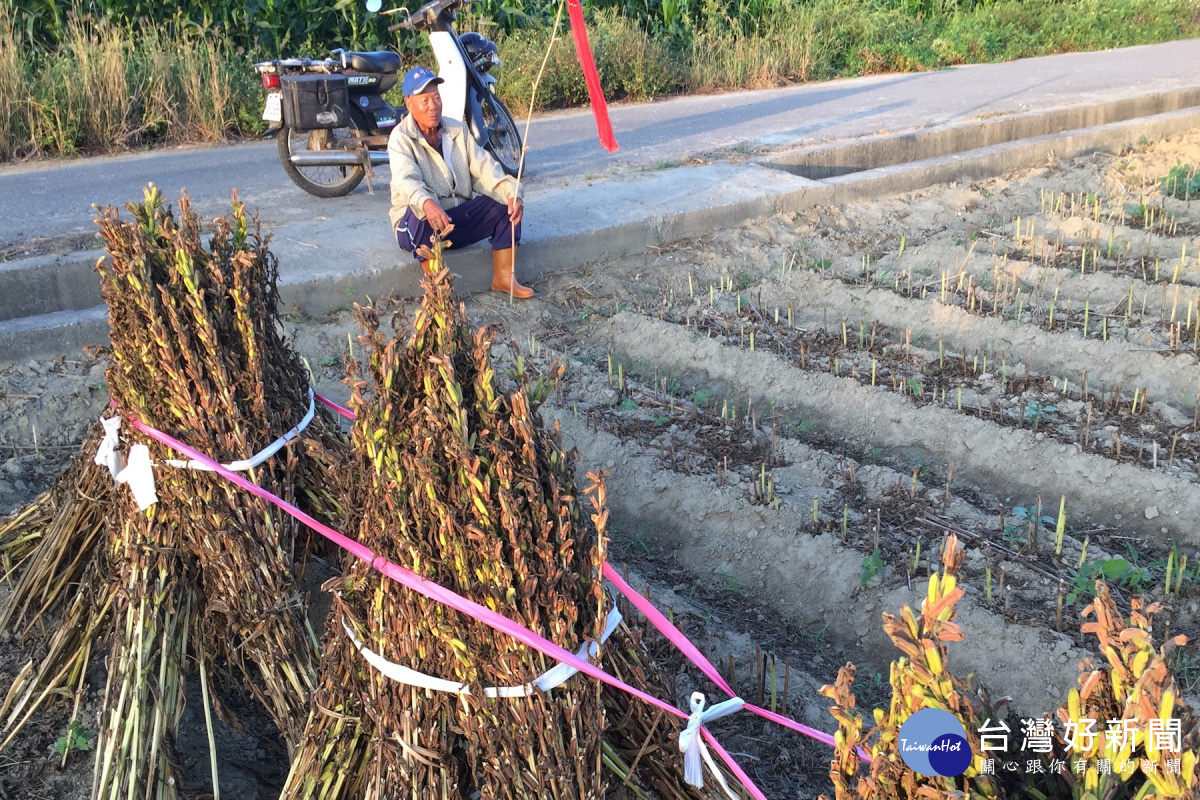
139 471
109 453
691 742
555 676
139 474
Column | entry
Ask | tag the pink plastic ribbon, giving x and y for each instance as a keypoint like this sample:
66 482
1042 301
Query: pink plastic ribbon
441 594
501 623
325 401
676 637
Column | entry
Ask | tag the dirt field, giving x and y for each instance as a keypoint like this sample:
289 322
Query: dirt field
795 412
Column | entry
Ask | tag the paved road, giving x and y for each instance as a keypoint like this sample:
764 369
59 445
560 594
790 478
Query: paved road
55 199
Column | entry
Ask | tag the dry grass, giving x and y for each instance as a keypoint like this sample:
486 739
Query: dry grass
106 88
14 117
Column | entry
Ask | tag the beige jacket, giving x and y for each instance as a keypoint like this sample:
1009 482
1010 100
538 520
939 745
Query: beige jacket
420 173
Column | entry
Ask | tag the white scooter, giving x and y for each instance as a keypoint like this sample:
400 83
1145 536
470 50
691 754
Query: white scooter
334 123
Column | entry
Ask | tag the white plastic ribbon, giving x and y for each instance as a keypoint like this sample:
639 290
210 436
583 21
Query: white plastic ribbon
108 454
555 676
691 742
261 455
139 474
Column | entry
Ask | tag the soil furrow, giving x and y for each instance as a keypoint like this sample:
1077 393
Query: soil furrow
714 531
1171 380
1000 460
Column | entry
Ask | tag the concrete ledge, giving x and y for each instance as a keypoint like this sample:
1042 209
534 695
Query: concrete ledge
63 333
988 161
45 284
871 152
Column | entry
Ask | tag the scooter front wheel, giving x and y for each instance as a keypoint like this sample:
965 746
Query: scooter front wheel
324 181
500 136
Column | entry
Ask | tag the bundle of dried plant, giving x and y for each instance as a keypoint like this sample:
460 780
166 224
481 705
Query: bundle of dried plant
206 576
457 481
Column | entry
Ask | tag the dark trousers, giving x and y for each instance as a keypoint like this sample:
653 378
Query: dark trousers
479 218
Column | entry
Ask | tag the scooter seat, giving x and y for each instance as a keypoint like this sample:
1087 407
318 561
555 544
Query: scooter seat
384 61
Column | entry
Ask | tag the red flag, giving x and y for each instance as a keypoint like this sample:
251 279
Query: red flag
590 76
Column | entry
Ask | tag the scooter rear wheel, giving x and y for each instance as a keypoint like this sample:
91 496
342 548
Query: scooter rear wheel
318 181
500 135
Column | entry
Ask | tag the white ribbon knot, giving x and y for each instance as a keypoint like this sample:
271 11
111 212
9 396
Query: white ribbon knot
137 472
109 453
691 742
259 457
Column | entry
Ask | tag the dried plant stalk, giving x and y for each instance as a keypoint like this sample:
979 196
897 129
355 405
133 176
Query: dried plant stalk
208 574
456 481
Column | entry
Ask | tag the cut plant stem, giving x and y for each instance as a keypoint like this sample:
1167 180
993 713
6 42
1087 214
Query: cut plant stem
208 727
1061 527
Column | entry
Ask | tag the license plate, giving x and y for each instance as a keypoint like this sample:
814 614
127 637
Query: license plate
274 110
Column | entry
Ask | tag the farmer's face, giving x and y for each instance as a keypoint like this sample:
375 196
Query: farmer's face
426 108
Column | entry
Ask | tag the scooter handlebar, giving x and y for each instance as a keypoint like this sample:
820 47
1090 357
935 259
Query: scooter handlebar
425 15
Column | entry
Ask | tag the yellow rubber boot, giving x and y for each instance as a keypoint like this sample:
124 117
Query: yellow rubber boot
502 274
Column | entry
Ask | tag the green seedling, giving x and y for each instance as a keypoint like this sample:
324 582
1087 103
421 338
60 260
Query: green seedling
732 585
1035 411
1060 526
638 542
76 738
1181 182
871 566
1170 566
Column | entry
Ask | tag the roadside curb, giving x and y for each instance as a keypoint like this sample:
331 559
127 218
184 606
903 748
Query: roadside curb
612 218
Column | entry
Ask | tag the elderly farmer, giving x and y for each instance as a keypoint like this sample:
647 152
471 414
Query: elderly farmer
441 177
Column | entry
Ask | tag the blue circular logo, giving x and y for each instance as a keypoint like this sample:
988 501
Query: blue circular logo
933 742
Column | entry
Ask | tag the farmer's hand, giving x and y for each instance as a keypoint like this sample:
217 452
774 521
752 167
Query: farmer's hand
438 220
515 210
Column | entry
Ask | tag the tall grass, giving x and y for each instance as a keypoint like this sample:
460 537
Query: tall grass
106 87
646 48
183 73
14 118
631 64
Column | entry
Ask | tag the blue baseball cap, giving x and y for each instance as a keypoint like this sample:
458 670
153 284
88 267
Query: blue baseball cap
418 80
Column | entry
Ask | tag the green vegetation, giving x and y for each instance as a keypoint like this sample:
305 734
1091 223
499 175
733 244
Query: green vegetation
1181 182
75 738
871 566
104 74
105 87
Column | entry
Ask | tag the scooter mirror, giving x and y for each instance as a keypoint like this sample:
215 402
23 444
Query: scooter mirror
374 5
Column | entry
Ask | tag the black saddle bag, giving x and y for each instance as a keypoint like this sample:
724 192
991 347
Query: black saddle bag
313 102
